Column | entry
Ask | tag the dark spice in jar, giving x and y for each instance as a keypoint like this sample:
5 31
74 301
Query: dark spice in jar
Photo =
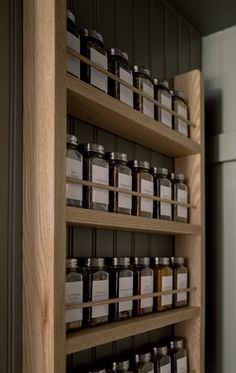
180 107
119 176
74 294
163 281
73 42
163 95
143 284
162 189
74 169
142 182
180 195
96 169
161 360
118 64
179 356
180 274
142 81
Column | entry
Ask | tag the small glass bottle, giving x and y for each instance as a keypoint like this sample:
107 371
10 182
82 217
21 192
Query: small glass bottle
180 195
118 64
96 169
121 285
96 288
161 360
163 281
74 295
180 107
143 284
143 363
162 189
163 95
92 47
73 42
74 167
142 182
119 176
180 276
142 81
120 365
179 356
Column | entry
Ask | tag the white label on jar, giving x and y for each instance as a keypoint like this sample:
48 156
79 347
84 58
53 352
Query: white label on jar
100 175
74 191
182 211
124 182
146 288
125 290
182 365
100 292
166 117
147 188
166 369
73 63
182 126
167 285
74 295
97 78
126 95
148 106
182 282
73 168
165 192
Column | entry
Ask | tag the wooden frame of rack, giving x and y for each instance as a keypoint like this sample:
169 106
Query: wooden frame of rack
47 91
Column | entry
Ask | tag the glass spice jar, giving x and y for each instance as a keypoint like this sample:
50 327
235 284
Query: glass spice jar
180 276
179 356
74 295
119 176
121 285
180 106
120 365
143 363
163 281
96 288
74 167
73 42
142 81
161 360
163 95
118 64
162 189
180 195
143 284
96 169
142 182
92 47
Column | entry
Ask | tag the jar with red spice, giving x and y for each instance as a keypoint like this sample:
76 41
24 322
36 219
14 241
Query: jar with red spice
143 284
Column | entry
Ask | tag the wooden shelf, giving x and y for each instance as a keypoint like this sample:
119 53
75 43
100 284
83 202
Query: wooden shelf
96 107
88 338
120 222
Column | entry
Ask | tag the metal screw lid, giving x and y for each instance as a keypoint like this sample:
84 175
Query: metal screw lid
115 156
120 364
72 139
179 177
177 260
90 147
156 260
70 16
162 171
92 34
159 350
97 370
140 164
123 262
94 262
165 261
118 52
72 263
159 82
142 357
177 342
178 94
141 70
143 261
172 176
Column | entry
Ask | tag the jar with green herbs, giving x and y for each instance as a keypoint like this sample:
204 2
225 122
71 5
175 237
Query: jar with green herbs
180 275
142 81
180 195
143 284
74 169
163 95
143 363
161 359
179 356
74 294
162 189
180 107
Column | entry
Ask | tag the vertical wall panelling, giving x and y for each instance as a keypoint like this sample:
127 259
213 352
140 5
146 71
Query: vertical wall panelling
157 34
184 46
196 49
171 42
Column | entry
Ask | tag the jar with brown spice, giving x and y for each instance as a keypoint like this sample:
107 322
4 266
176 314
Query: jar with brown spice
162 189
143 284
96 169
142 182
180 195
161 360
142 81
163 95
163 281
180 275
96 288
74 294
119 176
179 357
74 169
73 42
180 107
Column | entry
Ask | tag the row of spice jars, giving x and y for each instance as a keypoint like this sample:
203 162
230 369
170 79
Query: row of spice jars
89 162
90 44
97 279
167 357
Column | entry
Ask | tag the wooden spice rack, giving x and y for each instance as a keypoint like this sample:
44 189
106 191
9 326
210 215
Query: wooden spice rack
49 94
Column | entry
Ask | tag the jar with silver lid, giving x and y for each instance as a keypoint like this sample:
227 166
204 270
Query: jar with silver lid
161 360
119 176
142 182
96 288
180 195
120 365
143 284
74 294
143 363
74 169
163 281
118 64
163 95
92 47
73 42
142 81
180 276
121 285
180 106
162 189
179 356
96 169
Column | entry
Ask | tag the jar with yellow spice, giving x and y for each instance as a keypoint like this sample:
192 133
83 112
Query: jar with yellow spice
163 281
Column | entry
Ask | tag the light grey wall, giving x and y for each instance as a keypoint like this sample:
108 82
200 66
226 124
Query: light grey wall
219 67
